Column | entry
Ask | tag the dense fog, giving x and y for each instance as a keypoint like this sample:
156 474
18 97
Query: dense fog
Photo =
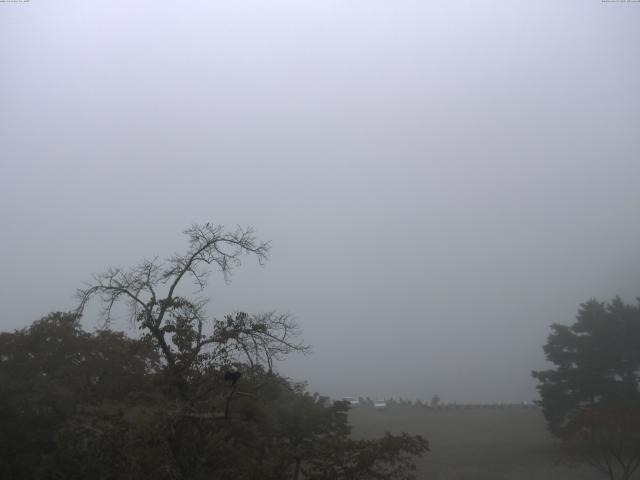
440 181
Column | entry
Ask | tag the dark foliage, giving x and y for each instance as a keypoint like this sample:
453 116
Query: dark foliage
50 370
191 398
76 405
591 398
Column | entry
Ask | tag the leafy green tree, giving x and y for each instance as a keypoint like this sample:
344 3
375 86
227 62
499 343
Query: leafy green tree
51 369
590 398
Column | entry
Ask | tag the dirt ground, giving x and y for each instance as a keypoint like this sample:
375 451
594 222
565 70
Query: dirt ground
476 444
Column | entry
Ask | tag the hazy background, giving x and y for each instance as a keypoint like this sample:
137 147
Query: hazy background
440 180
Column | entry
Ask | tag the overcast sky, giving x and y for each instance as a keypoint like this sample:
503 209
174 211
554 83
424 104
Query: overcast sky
440 180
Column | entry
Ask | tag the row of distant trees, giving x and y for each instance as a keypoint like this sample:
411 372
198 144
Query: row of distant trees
438 405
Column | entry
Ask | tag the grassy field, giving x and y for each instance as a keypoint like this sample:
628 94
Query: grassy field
476 444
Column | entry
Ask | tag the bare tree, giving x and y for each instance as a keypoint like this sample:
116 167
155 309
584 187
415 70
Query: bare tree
178 325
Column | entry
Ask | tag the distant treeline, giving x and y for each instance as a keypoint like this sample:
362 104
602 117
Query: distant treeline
401 402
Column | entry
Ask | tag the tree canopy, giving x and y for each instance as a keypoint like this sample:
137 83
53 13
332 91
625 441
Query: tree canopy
191 397
590 398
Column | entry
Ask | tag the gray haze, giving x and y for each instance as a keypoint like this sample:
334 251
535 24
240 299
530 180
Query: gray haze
440 180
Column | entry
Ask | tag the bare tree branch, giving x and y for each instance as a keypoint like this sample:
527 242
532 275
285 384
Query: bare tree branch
177 324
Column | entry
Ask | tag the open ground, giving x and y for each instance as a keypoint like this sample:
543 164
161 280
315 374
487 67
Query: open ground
476 444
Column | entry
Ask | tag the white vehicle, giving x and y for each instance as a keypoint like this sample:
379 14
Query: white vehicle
353 402
379 404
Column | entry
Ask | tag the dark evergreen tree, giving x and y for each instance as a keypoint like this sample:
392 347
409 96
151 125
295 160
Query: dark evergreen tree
590 398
